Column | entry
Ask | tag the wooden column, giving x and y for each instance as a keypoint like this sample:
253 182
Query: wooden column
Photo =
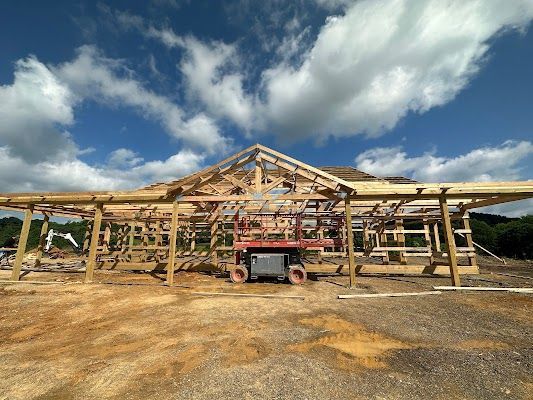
401 240
93 248
23 239
193 236
436 236
42 238
86 238
107 236
450 241
350 244
427 236
145 228
172 244
214 238
366 237
384 242
158 240
258 174
469 242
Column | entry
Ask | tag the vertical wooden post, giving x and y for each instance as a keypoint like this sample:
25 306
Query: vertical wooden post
258 174
145 228
401 240
107 236
172 244
193 236
86 238
384 242
366 237
214 241
437 237
158 240
450 241
427 236
23 239
93 248
469 242
350 244
42 238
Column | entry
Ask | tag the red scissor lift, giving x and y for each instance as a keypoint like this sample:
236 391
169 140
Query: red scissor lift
263 237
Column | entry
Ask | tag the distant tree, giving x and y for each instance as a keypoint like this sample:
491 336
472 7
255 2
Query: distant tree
483 234
515 239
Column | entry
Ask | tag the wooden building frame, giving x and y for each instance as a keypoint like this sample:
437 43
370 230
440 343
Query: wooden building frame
173 218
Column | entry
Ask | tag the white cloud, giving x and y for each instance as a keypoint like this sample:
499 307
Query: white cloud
17 175
498 163
369 67
205 67
123 158
93 76
366 70
33 112
38 154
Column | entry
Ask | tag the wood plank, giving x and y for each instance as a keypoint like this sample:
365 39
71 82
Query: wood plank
95 237
23 239
172 244
350 243
42 238
374 295
450 241
486 289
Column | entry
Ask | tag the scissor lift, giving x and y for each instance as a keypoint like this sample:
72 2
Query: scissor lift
271 244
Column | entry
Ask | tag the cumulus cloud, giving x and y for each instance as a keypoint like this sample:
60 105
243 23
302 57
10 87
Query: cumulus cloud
204 66
92 75
123 171
37 153
34 111
369 67
498 163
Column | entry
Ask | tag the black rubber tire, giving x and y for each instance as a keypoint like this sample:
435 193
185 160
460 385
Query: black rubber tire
239 274
297 275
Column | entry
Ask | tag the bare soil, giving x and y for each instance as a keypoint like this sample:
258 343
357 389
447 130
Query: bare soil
130 337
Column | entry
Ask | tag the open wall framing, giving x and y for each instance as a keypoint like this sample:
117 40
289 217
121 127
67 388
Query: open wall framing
342 218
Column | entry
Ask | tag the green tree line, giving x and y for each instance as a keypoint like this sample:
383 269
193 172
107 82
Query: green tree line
10 227
508 237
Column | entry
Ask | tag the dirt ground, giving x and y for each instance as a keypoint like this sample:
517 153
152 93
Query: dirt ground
149 341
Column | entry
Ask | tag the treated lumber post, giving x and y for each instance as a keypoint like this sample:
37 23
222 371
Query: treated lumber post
172 244
42 238
86 238
258 174
366 236
158 240
131 240
193 236
214 239
384 242
107 236
450 241
93 248
401 240
427 236
469 242
23 239
349 236
437 237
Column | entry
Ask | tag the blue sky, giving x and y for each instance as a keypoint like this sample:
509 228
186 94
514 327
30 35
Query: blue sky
107 95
